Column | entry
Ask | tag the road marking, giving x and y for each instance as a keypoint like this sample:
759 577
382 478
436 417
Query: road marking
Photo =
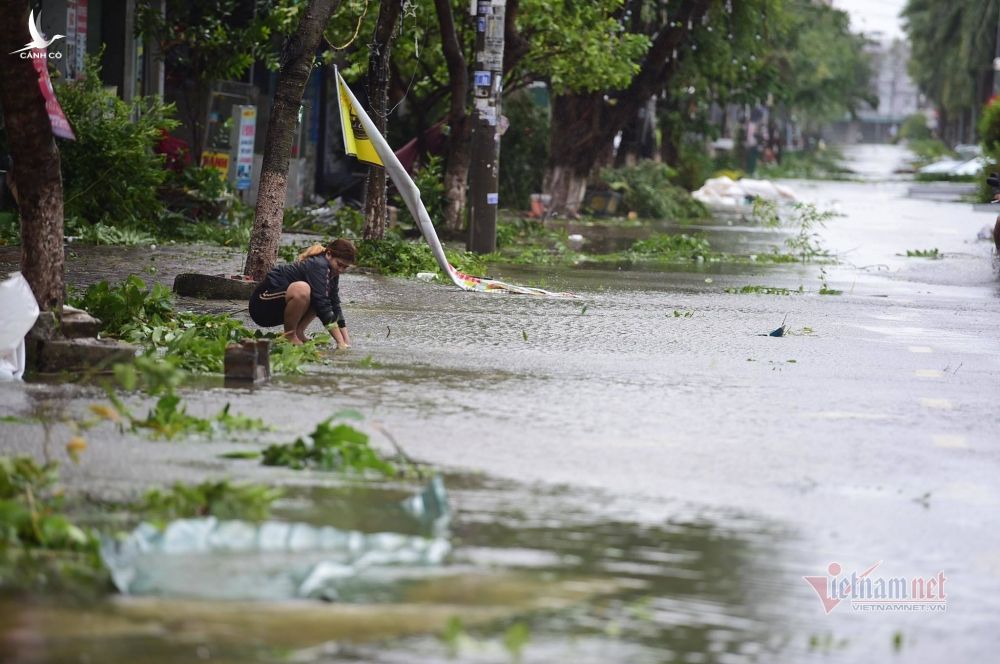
951 442
920 349
936 404
928 373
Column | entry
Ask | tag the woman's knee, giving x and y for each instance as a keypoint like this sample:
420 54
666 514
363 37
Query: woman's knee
298 290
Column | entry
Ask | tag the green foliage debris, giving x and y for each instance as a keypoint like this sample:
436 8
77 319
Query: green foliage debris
647 190
123 306
332 446
221 499
677 247
168 418
923 253
760 290
195 342
39 542
398 257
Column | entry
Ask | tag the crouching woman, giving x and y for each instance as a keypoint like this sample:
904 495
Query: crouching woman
293 294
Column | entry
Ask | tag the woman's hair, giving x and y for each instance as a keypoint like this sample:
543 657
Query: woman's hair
339 248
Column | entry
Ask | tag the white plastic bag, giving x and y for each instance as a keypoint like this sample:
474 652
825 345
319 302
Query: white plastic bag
18 312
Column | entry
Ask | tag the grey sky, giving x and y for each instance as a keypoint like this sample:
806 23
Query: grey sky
869 15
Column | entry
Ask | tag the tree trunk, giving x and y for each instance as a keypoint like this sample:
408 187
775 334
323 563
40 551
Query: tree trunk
459 138
456 175
378 87
670 148
35 162
297 60
583 124
567 187
576 141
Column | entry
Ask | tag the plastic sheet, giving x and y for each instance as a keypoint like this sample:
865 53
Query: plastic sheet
725 192
211 559
18 313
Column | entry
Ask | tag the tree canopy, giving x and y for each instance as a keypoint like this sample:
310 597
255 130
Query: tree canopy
953 44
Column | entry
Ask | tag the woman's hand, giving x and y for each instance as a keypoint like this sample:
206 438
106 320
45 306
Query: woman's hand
339 335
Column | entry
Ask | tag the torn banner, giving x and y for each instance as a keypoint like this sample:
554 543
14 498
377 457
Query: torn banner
370 143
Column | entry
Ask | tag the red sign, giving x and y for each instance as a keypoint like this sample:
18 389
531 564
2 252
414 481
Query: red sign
60 126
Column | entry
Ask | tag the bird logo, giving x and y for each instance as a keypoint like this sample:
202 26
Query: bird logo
38 40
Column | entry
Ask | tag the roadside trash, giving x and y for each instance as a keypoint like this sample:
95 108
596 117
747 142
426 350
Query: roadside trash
780 332
18 312
237 560
426 276
726 192
430 506
956 167
539 205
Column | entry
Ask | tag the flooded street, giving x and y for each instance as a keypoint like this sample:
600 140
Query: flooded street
641 475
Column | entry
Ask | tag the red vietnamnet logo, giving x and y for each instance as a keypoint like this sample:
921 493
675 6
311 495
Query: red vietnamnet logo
869 593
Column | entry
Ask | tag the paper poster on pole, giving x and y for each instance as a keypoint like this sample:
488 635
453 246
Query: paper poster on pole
76 38
247 133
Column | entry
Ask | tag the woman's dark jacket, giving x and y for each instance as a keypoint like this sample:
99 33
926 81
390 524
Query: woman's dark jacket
323 283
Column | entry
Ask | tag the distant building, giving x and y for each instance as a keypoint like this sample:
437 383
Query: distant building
898 96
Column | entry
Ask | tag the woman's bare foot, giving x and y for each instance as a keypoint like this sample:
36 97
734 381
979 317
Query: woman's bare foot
292 337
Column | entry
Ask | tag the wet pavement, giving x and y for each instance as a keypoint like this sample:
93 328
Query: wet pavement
642 475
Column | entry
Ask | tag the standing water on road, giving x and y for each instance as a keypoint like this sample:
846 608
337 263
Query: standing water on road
641 476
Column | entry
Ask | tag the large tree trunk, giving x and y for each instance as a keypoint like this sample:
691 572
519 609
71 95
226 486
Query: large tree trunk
583 125
567 187
378 88
576 141
35 162
670 147
459 138
457 174
297 60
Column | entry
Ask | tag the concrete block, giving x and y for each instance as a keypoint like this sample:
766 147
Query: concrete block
76 324
213 287
80 355
248 362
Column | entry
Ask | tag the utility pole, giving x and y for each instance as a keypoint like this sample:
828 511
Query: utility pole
487 85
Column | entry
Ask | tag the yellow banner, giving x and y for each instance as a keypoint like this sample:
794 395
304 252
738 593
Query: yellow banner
356 141
217 160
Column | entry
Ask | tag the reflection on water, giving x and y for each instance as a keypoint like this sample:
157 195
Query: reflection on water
577 584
